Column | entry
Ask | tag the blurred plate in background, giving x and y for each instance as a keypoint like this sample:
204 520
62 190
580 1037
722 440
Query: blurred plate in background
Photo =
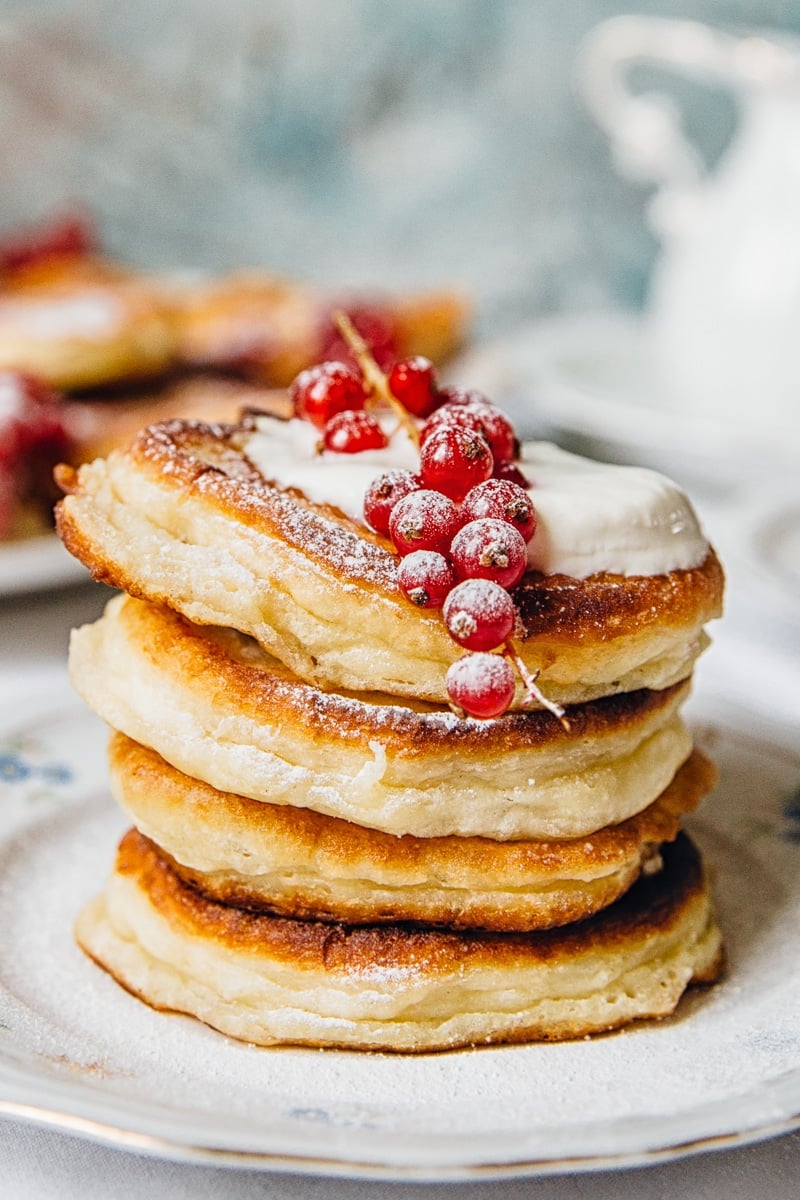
589 382
37 564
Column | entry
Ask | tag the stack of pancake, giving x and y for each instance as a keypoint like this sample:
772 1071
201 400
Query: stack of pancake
323 852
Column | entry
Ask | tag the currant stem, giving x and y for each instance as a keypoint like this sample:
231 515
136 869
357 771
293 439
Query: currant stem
372 373
533 691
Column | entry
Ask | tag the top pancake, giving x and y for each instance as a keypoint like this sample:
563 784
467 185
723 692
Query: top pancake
183 518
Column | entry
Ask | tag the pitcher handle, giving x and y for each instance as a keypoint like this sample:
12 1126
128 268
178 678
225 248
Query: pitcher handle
647 142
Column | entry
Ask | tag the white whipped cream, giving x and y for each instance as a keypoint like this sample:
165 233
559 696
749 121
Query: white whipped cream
592 516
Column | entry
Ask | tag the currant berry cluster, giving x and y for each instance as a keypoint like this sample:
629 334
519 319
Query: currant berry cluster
462 558
461 523
334 396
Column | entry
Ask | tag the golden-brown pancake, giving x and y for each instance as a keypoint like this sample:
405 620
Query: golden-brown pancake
77 322
272 980
218 707
270 328
182 517
295 862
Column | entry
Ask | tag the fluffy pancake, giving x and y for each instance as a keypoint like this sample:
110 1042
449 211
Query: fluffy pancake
272 980
270 328
295 862
218 707
77 322
182 517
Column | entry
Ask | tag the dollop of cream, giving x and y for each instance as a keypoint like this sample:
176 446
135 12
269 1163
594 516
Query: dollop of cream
591 516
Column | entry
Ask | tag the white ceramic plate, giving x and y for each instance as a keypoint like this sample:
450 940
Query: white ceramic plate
590 381
80 1054
37 564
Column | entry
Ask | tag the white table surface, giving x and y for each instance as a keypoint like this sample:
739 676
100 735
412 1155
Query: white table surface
38 1163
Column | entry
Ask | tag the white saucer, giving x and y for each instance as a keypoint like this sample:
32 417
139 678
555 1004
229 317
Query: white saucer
37 564
589 382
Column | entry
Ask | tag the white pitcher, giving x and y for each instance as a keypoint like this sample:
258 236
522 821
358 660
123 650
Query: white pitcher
724 300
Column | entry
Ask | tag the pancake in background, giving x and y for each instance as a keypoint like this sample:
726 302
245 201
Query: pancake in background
104 421
271 980
77 322
269 328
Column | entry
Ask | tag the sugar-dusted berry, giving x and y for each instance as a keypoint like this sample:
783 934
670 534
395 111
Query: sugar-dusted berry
382 495
482 684
322 391
412 381
351 432
423 520
479 614
472 410
453 460
489 549
503 500
511 472
425 578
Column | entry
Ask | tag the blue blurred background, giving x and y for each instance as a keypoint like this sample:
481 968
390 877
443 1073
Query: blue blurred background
431 142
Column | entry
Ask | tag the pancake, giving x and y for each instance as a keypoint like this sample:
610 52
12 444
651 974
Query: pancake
220 709
270 328
272 980
103 420
295 862
77 322
183 518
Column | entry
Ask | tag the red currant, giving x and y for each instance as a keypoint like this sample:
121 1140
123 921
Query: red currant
504 500
8 501
32 420
423 520
449 415
479 614
319 392
412 381
481 417
425 578
511 472
453 460
34 435
497 429
351 432
459 395
70 234
489 549
375 324
482 684
382 495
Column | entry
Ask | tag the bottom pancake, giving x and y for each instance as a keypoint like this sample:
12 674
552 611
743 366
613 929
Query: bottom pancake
272 980
300 863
